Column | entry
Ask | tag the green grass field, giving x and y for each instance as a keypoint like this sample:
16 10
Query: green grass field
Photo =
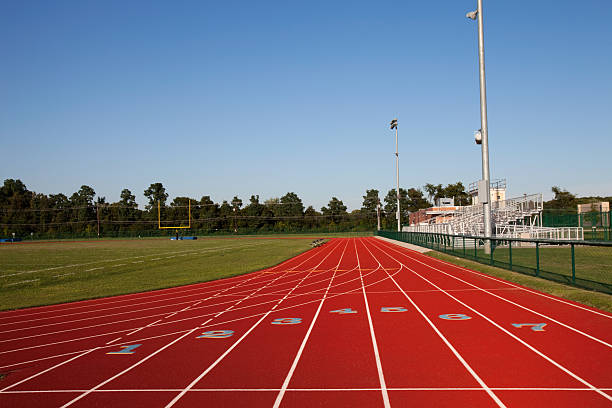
33 274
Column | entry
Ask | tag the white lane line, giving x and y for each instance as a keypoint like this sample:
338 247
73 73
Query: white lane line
381 376
439 333
112 341
524 343
283 389
513 303
48 369
609 316
214 364
302 389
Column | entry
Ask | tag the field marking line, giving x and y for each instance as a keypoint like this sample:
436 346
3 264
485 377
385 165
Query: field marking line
524 343
95 269
112 341
48 369
438 332
216 362
567 326
381 376
289 375
21 282
59 276
532 291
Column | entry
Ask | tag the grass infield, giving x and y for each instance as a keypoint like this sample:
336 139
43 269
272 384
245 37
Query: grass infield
55 272
595 299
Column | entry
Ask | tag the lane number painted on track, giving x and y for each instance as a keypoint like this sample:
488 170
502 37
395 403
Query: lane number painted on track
393 309
216 334
287 320
539 327
343 311
126 349
454 316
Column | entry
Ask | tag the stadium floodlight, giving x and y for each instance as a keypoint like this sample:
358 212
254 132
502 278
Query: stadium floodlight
397 215
478 136
484 133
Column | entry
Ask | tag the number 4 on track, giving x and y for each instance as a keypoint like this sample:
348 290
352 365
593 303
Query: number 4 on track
343 311
534 326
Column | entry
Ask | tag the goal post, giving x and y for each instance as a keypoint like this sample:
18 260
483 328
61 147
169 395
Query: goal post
173 227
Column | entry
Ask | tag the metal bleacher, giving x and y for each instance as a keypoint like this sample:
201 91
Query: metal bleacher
518 217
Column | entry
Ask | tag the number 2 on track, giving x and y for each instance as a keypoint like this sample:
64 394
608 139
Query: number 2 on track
287 320
534 326
216 334
126 349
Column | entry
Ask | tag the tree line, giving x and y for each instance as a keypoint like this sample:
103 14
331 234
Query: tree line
30 214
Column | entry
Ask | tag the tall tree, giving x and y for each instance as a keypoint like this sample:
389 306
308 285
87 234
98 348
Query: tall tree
336 209
416 201
563 199
156 192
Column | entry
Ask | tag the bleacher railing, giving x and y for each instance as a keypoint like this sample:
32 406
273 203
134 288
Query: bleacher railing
584 264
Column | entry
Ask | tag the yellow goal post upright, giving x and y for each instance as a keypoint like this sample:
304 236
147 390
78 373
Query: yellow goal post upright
174 227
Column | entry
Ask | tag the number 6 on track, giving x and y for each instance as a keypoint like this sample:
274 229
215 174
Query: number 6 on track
287 320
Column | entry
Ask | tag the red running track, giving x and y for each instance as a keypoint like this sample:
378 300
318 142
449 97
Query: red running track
356 322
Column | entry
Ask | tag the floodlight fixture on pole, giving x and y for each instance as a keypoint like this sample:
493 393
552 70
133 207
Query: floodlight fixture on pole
398 214
484 134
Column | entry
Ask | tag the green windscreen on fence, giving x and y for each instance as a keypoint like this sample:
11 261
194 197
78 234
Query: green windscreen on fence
578 263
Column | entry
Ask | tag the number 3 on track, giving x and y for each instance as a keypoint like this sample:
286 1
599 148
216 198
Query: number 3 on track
287 320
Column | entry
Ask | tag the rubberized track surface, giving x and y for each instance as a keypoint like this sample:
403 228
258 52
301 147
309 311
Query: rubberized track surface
356 322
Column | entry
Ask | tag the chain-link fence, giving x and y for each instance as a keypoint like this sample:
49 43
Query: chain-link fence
578 263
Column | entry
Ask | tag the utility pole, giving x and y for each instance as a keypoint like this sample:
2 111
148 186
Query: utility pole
378 211
98 217
486 178
398 215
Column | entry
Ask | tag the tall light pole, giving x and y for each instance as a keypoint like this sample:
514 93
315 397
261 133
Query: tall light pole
477 14
399 223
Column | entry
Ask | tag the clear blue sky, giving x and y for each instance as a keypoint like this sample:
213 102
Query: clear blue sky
227 98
